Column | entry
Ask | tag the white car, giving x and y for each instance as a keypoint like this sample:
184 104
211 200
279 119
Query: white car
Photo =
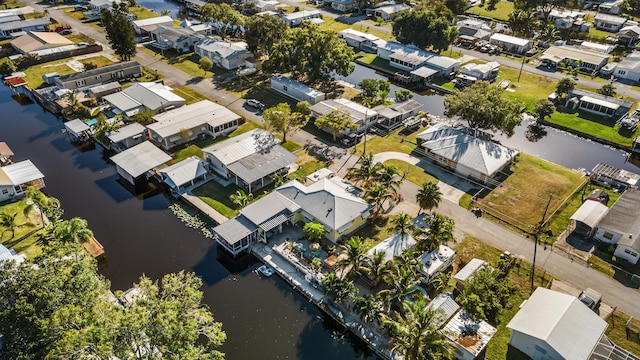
255 104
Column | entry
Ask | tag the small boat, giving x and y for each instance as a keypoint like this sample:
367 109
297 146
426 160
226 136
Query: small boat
266 270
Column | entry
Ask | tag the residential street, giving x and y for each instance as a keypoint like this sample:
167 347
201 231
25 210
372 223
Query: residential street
614 293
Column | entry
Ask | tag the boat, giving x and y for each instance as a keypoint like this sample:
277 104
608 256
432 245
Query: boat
266 270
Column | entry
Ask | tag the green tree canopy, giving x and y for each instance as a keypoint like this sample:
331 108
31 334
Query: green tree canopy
335 123
485 295
403 95
263 31
484 106
205 64
120 32
428 196
224 14
424 29
543 108
565 85
523 22
312 54
608 90
314 231
281 119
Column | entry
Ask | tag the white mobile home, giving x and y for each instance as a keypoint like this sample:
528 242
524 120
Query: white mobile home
296 90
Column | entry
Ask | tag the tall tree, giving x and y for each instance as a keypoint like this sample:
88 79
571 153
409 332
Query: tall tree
365 170
402 281
335 123
376 195
543 108
565 85
311 54
439 231
549 33
353 257
403 225
415 333
264 31
120 32
9 221
428 196
75 230
424 29
388 176
281 119
522 22
485 295
367 307
223 14
608 90
403 95
377 267
484 106
457 7
338 289
47 206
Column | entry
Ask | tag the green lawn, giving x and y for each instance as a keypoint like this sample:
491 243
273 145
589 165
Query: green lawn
143 13
78 38
415 174
10 5
99 61
519 202
501 12
187 62
465 199
596 34
375 230
34 73
291 146
191 96
529 89
333 25
189 151
617 331
217 196
26 234
78 15
596 126
308 165
392 142
374 60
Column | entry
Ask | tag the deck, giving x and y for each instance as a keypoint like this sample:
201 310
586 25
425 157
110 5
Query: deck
94 248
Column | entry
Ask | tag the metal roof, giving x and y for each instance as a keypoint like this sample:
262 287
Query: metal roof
624 218
445 304
19 173
480 155
297 85
191 116
126 132
153 96
99 71
236 229
510 39
222 48
590 213
458 327
140 159
620 175
10 254
184 171
357 35
355 111
467 271
442 62
268 207
241 146
175 34
573 53
8 26
560 320
33 41
9 18
612 19
602 98
602 103
260 164
302 14
76 127
393 246
424 72
106 87
153 21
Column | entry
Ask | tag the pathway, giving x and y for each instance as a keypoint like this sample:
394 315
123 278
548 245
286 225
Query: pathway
204 208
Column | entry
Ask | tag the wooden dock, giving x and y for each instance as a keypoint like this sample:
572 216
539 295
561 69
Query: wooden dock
94 248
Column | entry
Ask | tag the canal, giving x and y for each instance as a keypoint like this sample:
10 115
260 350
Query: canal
175 8
263 318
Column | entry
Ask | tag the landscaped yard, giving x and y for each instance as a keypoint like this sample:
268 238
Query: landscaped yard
258 87
374 60
26 233
187 62
501 12
392 142
143 13
529 89
217 196
34 73
187 152
595 125
521 199
415 174
334 25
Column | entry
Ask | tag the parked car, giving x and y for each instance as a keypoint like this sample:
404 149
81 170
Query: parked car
65 32
255 104
591 298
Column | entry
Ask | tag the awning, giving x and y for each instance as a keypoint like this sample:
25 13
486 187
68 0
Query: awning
603 103
273 222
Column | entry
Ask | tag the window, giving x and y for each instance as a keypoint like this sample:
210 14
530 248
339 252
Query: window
622 72
285 88
5 191
607 235
634 254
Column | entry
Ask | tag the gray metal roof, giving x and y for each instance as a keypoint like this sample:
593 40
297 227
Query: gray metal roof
258 165
444 303
354 110
222 48
175 34
126 132
297 85
9 18
268 207
442 62
8 26
480 155
560 320
184 171
140 158
612 19
241 146
593 95
76 126
424 72
590 213
467 271
19 173
153 96
190 116
236 229
624 218
106 87
329 203
100 71
393 246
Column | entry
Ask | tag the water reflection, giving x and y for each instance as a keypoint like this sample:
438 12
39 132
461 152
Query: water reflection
535 132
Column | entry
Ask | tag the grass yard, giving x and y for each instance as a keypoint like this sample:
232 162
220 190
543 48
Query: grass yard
465 199
78 15
594 125
258 87
187 62
26 234
334 25
187 152
99 61
308 165
10 5
78 38
374 60
617 331
501 12
191 96
143 13
291 146
34 73
395 141
374 231
529 89
415 174
217 196
521 199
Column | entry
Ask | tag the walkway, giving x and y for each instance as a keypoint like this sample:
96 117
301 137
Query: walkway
204 208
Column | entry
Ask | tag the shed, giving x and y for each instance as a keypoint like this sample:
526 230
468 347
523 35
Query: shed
467 272
135 162
446 305
126 137
470 337
588 216
78 130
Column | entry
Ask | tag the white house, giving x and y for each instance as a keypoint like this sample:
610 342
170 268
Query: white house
140 96
37 24
102 4
266 5
190 122
614 7
224 54
629 35
629 68
621 226
16 177
184 174
361 41
146 26
596 103
556 326
251 160
471 73
296 90
294 19
10 255
392 117
609 22
387 12
587 60
511 44
126 137
137 163
446 66
404 57
180 39
361 116
343 6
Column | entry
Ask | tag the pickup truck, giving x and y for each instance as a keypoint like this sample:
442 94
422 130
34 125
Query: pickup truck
591 298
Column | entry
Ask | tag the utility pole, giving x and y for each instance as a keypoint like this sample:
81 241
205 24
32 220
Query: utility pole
535 241
366 130
524 56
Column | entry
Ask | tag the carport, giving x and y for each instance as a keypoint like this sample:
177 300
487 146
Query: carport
588 216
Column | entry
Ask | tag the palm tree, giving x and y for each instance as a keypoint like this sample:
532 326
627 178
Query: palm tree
428 196
401 224
415 335
377 267
403 280
439 231
376 196
367 307
549 33
439 282
365 170
354 257
241 198
338 289
72 231
10 223
46 205
387 176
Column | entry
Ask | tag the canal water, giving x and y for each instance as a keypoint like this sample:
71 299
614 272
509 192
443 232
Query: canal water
263 318
175 8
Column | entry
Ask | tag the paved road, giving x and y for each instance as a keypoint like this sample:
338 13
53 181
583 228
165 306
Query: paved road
487 231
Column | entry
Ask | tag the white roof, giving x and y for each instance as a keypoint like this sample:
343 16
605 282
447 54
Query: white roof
222 48
510 39
302 14
357 35
590 213
320 174
19 173
467 271
392 9
393 246
126 132
308 90
443 62
560 320
595 46
190 116
355 111
241 146
610 19
153 96
424 71
76 126
570 52
184 171
600 102
140 159
153 21
457 328
437 260
9 254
